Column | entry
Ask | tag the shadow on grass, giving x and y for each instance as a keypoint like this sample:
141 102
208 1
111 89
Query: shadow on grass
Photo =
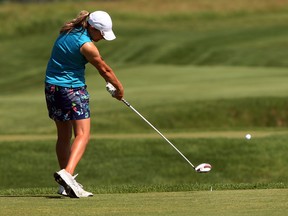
39 196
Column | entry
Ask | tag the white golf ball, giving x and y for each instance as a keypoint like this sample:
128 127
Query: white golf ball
248 136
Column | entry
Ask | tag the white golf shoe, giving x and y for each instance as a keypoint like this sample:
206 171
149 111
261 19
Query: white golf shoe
61 191
69 186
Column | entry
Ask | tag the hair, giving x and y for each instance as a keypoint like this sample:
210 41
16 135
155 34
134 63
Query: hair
79 21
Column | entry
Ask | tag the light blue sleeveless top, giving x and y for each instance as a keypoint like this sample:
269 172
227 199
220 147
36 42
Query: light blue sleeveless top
66 66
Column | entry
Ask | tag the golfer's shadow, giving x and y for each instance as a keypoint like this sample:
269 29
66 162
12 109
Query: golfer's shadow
47 197
54 197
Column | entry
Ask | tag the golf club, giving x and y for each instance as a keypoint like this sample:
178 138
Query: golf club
201 168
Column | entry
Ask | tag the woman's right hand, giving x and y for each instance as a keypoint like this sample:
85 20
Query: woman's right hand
116 93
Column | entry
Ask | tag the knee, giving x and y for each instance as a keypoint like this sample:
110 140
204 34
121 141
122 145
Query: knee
88 138
85 138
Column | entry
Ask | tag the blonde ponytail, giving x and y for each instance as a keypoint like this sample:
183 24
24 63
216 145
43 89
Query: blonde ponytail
79 21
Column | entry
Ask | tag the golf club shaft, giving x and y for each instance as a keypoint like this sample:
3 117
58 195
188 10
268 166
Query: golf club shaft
131 107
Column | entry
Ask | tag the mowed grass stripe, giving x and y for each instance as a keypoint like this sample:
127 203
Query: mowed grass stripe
204 134
224 203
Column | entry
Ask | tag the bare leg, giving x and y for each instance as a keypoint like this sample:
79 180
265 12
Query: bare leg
64 133
82 135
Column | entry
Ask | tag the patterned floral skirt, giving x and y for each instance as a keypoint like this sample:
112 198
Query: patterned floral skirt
66 104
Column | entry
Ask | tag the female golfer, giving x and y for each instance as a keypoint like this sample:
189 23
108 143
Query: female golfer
66 95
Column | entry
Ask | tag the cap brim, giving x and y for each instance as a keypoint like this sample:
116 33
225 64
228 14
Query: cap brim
109 35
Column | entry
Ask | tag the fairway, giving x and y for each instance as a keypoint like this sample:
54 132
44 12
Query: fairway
191 98
202 203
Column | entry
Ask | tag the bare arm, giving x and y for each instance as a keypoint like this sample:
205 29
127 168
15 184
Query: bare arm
91 53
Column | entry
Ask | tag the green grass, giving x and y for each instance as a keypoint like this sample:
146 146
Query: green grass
225 203
205 37
190 98
140 161
204 72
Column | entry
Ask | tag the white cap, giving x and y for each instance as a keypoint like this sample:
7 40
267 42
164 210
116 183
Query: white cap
102 21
